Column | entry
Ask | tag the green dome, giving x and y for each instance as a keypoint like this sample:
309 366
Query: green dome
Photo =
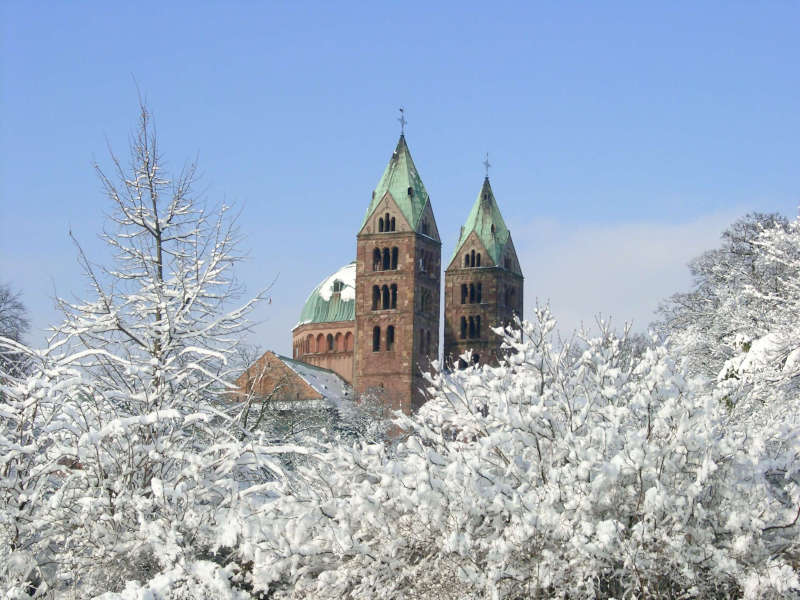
332 300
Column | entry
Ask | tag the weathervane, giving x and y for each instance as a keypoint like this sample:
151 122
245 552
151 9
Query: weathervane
403 121
487 164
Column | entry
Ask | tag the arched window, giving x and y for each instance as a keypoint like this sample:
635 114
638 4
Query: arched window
376 339
380 225
463 327
376 297
376 260
478 326
330 343
385 295
394 258
472 293
386 222
390 338
466 260
478 294
348 342
309 344
424 300
386 259
471 327
392 227
394 295
478 260
472 258
463 293
339 342
320 343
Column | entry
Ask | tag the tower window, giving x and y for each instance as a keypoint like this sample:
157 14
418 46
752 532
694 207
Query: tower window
463 327
386 259
466 260
376 339
428 343
472 258
376 297
425 227
478 326
471 327
380 225
376 260
390 338
508 263
330 343
478 294
395 253
394 295
392 225
472 293
478 260
385 296
463 293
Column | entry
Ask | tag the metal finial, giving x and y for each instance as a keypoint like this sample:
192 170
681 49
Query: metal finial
487 164
403 121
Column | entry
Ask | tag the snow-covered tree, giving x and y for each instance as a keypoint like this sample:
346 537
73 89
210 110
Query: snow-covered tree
602 476
733 297
14 323
114 450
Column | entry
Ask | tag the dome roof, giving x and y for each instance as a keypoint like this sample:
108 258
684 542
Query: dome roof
332 300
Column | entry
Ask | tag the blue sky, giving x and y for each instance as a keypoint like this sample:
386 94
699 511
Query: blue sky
623 136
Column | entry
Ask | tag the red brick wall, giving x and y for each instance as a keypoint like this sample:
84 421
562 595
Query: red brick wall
269 372
493 309
340 360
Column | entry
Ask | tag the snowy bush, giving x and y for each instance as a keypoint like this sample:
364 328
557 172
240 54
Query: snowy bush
544 477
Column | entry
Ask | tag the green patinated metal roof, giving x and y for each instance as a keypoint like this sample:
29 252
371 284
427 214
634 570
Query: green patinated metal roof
484 214
331 302
400 175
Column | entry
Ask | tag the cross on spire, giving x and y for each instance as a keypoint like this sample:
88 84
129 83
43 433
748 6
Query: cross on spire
487 164
403 121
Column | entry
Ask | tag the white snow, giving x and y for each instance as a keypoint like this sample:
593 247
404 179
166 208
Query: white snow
347 275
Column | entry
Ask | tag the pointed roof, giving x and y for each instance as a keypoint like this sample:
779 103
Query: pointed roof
400 175
487 223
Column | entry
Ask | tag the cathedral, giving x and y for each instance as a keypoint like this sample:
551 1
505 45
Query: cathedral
375 322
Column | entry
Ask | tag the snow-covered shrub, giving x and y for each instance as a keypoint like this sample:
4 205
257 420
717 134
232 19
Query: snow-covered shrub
544 477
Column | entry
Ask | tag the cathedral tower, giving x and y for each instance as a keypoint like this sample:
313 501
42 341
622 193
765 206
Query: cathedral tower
482 284
398 274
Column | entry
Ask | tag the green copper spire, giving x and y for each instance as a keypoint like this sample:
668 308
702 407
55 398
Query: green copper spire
488 224
403 182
